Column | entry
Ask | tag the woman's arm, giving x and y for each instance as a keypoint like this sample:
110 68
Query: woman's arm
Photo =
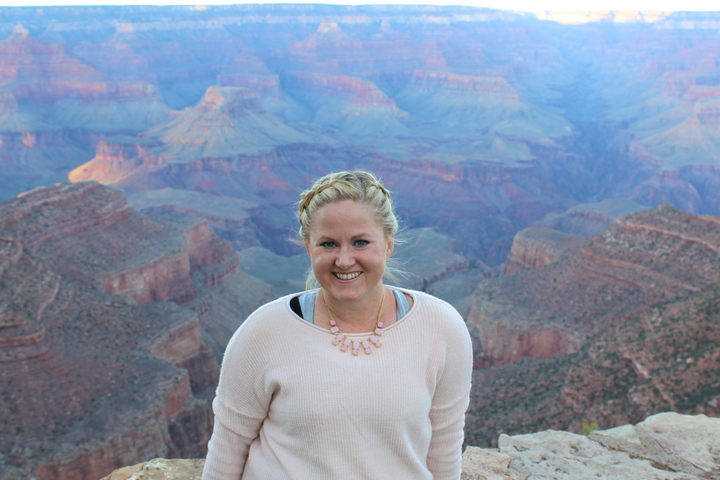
241 403
450 402
228 449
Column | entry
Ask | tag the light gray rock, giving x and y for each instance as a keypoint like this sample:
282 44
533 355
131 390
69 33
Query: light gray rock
555 455
665 446
693 439
161 469
482 464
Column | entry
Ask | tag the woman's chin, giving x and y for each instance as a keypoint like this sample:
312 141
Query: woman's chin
348 291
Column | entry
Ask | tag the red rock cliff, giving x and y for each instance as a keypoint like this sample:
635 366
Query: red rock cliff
111 379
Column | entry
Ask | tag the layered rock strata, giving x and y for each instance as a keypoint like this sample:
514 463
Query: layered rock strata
536 247
646 258
100 365
623 328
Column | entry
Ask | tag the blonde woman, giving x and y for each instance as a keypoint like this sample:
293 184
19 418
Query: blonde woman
352 378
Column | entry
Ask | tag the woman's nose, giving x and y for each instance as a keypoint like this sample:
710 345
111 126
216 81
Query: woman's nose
345 258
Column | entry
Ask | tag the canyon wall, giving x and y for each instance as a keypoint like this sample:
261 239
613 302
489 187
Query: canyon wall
620 328
100 363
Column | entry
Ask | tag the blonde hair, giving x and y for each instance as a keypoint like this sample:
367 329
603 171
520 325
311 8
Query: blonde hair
359 186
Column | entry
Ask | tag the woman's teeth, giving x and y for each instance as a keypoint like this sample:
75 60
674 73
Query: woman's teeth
347 276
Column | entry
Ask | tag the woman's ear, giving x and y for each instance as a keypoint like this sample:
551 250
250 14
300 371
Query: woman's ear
390 246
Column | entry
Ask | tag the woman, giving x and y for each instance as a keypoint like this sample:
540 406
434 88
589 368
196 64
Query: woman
354 379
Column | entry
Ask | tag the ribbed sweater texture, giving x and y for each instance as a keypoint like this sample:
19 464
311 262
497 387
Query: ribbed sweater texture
291 405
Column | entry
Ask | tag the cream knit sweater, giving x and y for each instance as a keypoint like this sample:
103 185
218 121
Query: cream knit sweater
290 405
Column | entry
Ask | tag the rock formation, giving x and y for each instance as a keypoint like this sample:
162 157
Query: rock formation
330 50
590 219
348 104
65 106
646 258
664 446
620 329
536 247
112 323
495 112
231 218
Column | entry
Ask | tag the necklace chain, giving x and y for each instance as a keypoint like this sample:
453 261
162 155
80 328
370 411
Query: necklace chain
345 342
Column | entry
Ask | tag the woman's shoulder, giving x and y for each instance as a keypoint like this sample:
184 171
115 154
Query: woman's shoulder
438 315
263 325
424 300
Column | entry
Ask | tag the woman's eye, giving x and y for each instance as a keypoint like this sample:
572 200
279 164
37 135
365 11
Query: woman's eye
362 243
327 244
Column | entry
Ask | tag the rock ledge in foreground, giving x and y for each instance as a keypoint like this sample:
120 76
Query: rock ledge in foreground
666 446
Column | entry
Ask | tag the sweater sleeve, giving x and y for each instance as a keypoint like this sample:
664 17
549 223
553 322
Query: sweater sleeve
450 402
240 406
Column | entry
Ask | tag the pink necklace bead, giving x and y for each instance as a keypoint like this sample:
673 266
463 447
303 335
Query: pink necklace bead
341 338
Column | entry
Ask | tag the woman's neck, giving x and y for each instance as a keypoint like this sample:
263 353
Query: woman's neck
357 316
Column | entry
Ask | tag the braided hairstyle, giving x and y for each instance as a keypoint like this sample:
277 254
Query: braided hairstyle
358 186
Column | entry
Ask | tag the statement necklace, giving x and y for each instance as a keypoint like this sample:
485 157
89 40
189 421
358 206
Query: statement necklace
341 338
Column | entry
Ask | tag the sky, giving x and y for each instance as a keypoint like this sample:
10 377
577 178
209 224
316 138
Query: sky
522 5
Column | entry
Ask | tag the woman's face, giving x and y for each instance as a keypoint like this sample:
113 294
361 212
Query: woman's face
348 250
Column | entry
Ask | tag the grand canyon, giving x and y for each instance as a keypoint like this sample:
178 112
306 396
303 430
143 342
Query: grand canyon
557 176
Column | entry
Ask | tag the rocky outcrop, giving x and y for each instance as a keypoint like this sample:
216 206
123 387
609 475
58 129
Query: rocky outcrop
161 469
629 266
139 267
25 58
41 72
148 282
329 50
536 247
114 162
590 219
75 369
664 446
349 104
617 331
100 364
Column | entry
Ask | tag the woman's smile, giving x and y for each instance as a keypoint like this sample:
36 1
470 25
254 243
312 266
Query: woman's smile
348 276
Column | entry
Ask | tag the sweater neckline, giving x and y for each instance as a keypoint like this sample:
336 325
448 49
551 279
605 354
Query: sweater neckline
295 316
